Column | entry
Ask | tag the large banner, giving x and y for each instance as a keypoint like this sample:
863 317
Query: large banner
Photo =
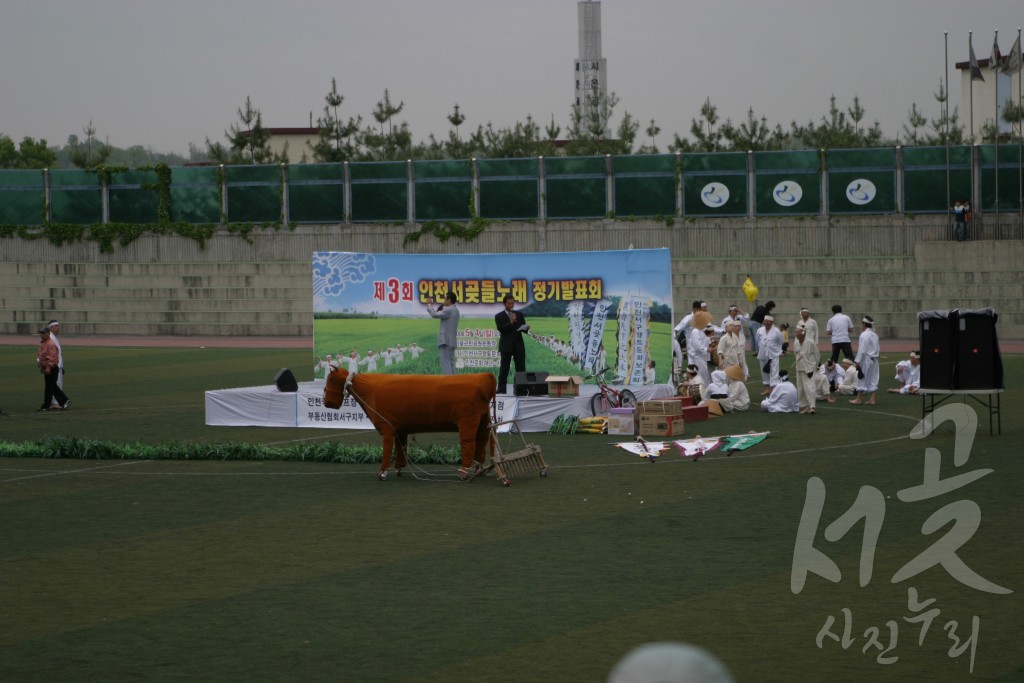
587 311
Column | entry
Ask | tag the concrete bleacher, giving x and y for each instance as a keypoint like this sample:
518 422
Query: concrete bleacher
265 288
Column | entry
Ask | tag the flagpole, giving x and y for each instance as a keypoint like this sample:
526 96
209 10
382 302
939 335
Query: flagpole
945 116
995 111
970 45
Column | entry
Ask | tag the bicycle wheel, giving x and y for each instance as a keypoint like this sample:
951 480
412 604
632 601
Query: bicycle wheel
627 399
599 405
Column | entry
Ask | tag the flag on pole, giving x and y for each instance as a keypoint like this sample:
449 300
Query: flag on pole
1013 60
996 58
975 69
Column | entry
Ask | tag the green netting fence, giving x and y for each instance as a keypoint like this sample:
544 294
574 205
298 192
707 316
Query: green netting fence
798 182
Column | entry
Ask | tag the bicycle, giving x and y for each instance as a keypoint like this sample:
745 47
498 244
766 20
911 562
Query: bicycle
609 397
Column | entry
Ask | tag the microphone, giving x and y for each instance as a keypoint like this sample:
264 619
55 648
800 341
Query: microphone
439 307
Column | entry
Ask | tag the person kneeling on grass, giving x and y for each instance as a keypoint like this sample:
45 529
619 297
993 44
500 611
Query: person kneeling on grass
908 374
784 398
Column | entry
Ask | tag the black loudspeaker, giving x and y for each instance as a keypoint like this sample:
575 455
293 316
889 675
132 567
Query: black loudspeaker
938 344
531 384
285 381
978 364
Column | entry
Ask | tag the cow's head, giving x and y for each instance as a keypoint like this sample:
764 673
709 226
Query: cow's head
338 382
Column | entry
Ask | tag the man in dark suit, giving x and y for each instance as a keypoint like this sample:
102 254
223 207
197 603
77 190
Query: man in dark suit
511 324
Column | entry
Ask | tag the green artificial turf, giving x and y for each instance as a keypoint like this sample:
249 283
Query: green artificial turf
166 570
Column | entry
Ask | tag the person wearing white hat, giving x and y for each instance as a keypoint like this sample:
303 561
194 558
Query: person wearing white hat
731 347
847 379
908 374
698 344
769 350
866 362
783 397
810 326
807 357
741 320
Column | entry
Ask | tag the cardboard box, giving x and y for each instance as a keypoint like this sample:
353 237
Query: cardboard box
695 413
663 407
661 425
685 400
622 421
564 385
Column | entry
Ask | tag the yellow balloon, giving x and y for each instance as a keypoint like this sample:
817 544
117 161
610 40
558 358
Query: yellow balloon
750 290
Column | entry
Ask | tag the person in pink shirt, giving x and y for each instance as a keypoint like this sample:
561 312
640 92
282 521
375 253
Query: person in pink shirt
49 365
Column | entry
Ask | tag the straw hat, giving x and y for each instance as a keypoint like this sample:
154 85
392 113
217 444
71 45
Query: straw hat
701 319
734 372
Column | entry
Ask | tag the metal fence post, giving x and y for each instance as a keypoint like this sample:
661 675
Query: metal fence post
285 200
410 205
542 191
750 184
346 192
609 187
474 171
679 184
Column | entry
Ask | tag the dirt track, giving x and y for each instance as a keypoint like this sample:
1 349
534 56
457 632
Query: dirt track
888 345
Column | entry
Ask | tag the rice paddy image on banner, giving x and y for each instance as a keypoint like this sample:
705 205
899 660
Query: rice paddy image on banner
587 311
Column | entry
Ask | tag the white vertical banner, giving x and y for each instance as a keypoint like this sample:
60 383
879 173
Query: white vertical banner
577 329
623 338
597 324
640 335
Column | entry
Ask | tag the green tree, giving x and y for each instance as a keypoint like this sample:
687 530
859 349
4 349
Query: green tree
393 143
838 129
336 140
90 153
9 157
915 121
248 143
754 135
944 129
588 129
706 137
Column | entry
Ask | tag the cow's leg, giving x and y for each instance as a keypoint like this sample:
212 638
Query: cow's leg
387 443
468 441
483 433
401 453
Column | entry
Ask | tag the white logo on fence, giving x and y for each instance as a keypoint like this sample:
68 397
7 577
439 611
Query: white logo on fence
861 191
787 193
714 195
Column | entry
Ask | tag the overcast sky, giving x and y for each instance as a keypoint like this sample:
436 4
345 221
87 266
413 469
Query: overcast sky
164 74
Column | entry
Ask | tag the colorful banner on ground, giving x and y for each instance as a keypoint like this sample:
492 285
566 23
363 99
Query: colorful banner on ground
370 311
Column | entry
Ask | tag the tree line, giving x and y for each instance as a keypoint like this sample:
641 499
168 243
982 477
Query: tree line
384 137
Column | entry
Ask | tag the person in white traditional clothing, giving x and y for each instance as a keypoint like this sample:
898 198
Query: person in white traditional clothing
732 347
847 379
783 398
677 359
399 354
698 344
807 357
810 326
866 362
718 389
738 317
370 361
692 384
353 362
738 398
415 350
908 374
833 372
323 366
682 330
822 388
769 350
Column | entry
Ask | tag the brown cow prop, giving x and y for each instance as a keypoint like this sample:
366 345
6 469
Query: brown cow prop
400 405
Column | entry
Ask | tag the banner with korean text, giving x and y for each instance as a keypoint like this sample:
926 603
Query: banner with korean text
587 311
